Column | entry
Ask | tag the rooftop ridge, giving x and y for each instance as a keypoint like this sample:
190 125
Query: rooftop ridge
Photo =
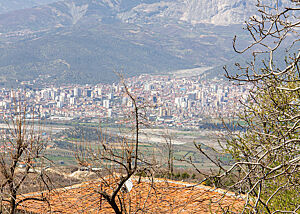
164 196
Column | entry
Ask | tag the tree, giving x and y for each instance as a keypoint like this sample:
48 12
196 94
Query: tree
119 159
267 153
168 147
20 145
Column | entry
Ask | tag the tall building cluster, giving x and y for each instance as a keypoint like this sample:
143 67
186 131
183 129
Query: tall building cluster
170 101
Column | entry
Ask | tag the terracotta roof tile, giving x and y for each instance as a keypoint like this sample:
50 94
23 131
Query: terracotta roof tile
161 197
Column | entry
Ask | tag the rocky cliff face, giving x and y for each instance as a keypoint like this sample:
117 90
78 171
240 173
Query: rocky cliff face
217 12
82 41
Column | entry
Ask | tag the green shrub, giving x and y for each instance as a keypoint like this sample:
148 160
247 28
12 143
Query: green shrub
185 175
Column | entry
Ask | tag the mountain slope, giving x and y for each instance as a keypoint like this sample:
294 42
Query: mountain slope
217 12
12 5
85 53
84 41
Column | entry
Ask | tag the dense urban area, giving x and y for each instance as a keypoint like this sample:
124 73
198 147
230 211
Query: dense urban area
170 101
149 106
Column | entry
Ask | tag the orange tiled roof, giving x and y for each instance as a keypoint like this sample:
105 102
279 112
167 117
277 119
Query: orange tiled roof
162 196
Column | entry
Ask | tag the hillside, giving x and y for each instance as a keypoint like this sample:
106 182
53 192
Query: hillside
84 41
12 5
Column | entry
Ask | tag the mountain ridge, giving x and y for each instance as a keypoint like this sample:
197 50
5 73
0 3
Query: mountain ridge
97 37
13 5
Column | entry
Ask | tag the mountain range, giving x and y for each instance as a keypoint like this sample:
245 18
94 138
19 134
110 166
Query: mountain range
85 41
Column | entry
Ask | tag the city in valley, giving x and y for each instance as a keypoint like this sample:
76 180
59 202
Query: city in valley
183 103
186 110
149 106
